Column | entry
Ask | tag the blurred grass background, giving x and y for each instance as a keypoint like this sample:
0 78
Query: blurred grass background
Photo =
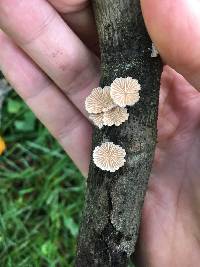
41 193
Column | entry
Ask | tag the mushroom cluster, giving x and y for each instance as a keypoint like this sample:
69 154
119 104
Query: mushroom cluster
107 106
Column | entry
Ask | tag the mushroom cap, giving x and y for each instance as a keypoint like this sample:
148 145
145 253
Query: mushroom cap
116 116
109 157
154 52
125 91
99 100
97 119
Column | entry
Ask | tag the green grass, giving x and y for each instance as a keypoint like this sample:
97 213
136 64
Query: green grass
41 194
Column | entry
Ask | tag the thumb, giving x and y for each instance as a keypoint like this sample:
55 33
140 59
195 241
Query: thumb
174 27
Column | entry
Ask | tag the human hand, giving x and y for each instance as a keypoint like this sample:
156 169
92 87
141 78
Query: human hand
170 229
50 67
169 232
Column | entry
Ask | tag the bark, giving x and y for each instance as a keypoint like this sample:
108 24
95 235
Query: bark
114 201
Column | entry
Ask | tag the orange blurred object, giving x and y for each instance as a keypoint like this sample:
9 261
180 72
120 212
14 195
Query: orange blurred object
2 145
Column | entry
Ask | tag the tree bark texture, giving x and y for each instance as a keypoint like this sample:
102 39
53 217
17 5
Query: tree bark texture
114 201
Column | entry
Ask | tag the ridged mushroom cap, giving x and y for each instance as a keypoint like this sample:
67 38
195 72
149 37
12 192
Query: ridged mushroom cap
109 157
116 116
99 100
97 119
125 91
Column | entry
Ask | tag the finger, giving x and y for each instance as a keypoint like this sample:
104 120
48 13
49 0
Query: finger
52 45
69 6
79 16
175 28
63 120
178 100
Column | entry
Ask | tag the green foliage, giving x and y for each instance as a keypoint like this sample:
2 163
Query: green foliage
27 121
41 194
14 106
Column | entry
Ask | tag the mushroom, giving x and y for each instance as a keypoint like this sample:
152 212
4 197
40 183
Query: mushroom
125 91
97 119
154 51
109 157
115 116
99 100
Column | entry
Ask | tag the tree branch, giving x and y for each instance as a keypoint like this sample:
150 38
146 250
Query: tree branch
114 201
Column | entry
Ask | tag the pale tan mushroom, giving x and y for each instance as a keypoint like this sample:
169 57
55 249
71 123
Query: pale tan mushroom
99 100
125 91
116 116
154 52
97 119
109 157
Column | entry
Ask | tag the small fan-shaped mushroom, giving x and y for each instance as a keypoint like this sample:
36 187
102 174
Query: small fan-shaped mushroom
116 116
99 100
109 157
97 119
125 91
154 52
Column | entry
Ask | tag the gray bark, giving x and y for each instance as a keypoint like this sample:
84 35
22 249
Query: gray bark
114 201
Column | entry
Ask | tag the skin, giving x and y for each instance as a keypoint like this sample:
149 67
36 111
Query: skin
49 56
